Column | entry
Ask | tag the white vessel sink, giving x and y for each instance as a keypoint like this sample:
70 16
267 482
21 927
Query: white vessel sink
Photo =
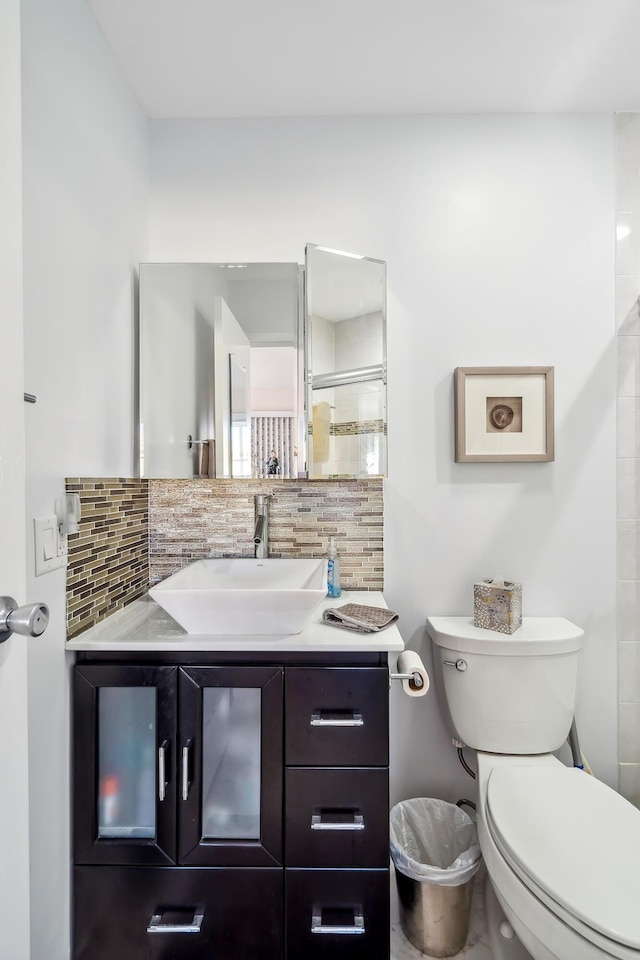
243 596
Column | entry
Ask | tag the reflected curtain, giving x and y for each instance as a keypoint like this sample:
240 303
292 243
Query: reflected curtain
269 436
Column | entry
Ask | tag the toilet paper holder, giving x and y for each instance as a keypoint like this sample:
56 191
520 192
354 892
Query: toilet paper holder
411 672
417 679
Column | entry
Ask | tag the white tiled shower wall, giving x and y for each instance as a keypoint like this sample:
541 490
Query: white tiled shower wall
344 345
628 466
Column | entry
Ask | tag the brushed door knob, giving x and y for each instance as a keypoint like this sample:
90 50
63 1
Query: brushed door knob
29 621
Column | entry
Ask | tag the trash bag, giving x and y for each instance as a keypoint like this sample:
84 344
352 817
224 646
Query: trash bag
433 841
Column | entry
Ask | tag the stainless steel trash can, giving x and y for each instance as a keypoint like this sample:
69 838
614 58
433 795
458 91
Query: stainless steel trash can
434 919
435 852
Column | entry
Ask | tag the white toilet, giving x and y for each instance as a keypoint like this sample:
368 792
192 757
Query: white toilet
562 850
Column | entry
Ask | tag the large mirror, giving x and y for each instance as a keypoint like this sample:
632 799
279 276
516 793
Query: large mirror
220 370
242 376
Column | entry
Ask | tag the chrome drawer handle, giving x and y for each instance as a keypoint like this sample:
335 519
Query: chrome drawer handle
157 926
317 823
162 770
186 782
317 720
317 925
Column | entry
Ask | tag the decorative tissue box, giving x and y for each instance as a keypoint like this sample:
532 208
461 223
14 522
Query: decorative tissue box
497 605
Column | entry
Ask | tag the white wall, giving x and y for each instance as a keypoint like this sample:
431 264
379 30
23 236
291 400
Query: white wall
274 382
85 203
14 782
498 232
628 328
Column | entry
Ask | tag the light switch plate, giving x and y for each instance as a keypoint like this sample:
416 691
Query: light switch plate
47 545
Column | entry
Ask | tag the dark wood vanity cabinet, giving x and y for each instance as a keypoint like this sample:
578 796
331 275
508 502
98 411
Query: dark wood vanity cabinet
231 806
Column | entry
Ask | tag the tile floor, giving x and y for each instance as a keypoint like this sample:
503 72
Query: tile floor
476 947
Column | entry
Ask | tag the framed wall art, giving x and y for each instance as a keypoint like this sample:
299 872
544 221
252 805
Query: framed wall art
504 414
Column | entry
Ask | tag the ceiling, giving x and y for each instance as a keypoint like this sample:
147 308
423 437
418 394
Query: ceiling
268 58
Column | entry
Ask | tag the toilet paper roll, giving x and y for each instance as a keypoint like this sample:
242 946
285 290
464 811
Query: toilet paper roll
411 662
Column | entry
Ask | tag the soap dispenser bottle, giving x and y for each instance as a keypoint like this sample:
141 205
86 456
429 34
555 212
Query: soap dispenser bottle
334 589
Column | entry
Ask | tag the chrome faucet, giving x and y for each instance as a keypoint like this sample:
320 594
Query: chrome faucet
261 532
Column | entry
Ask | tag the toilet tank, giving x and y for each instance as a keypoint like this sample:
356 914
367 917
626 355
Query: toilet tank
506 694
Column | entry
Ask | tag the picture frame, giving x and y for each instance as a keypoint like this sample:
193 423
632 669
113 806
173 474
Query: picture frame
504 414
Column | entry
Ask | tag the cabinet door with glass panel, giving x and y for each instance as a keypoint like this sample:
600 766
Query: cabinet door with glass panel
178 765
125 723
230 756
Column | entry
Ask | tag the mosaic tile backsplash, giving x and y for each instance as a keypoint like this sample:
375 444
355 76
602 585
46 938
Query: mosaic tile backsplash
109 556
134 533
190 519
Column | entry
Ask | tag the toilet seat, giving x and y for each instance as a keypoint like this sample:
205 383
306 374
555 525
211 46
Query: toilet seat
547 823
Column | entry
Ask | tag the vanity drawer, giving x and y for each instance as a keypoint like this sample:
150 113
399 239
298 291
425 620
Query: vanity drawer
337 716
337 817
337 914
241 907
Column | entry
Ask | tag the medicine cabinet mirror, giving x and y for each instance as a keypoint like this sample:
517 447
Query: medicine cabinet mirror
346 364
263 370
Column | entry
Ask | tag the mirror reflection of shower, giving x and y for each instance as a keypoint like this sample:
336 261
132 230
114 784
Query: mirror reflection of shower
347 380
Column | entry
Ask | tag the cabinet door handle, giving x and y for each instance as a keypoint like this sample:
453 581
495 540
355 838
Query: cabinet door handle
317 823
157 926
162 770
318 719
317 926
186 756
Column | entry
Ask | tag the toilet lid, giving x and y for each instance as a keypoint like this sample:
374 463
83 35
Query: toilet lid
575 838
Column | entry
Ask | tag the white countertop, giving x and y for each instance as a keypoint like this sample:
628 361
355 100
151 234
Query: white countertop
144 625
